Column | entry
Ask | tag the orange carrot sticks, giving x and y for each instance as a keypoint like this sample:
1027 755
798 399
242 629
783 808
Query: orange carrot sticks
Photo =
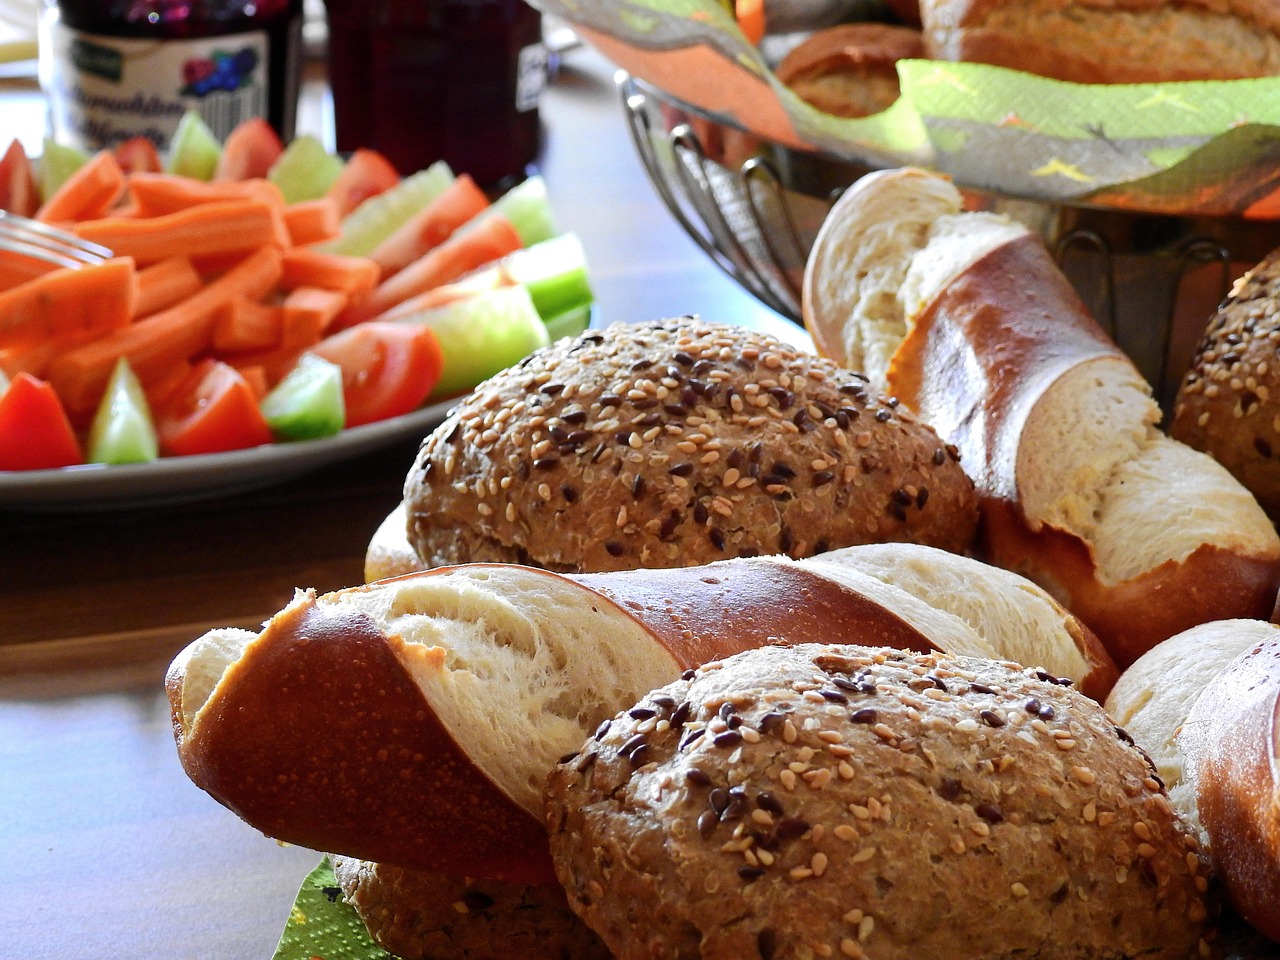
245 324
69 303
304 267
308 311
164 283
432 225
88 193
312 221
157 194
210 228
153 344
482 242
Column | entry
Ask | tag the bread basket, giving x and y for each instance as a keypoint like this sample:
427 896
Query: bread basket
754 206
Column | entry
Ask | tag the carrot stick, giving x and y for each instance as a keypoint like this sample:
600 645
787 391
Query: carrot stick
305 267
152 345
88 193
308 311
273 362
488 239
459 202
164 283
210 228
18 190
17 269
90 300
312 221
245 324
157 194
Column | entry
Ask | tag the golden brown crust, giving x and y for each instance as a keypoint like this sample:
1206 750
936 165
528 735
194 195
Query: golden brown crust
850 70
1228 404
318 736
418 915
676 443
1232 737
843 801
1109 41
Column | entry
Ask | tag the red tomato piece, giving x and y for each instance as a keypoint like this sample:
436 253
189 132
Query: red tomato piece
138 155
367 174
214 411
35 433
249 151
388 369
18 190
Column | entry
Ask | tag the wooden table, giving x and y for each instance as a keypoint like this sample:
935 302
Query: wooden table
110 851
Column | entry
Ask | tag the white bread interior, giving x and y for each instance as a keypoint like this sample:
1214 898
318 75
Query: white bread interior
1012 617
1154 697
201 666
518 666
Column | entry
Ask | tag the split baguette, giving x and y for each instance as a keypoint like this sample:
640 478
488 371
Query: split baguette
1205 705
965 318
413 721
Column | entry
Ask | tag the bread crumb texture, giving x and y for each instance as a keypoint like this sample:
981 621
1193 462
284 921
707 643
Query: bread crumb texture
834 801
676 443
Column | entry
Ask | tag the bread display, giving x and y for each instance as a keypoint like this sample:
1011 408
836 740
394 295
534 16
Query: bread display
826 800
1228 404
1206 705
413 721
676 443
1109 41
965 317
850 69
428 916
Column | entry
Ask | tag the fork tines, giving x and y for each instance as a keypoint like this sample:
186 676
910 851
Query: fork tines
31 238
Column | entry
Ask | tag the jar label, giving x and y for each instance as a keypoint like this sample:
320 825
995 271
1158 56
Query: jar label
531 76
103 90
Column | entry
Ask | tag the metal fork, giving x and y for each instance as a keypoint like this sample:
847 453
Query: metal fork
31 238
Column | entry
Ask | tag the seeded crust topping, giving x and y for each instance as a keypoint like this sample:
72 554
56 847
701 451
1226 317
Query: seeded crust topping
827 801
675 443
1229 402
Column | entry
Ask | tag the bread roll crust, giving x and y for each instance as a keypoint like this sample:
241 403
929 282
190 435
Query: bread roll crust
850 70
821 799
1109 41
677 443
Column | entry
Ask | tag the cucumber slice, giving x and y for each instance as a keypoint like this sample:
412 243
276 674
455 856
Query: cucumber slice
568 324
305 170
528 209
57 163
380 216
554 272
481 335
122 430
194 150
307 403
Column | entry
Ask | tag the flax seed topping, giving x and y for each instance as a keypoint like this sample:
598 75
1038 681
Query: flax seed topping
910 819
688 441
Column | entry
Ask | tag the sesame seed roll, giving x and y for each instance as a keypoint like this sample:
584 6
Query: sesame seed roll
676 443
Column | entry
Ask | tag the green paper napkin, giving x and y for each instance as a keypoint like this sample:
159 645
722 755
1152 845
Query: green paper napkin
322 926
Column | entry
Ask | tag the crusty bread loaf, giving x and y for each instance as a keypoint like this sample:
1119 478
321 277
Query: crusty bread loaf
1206 705
1228 404
675 443
966 318
850 70
1109 41
413 721
838 801
418 915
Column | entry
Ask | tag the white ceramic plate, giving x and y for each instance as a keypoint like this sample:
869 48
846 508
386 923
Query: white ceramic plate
173 479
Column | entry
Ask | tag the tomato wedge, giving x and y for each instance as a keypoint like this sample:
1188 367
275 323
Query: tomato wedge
249 151
34 431
388 369
18 190
215 410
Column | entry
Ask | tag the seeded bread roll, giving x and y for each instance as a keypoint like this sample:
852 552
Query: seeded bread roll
418 915
1110 41
1229 402
838 801
676 443
850 70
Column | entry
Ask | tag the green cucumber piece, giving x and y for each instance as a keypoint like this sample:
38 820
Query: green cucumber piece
481 335
380 216
194 150
122 429
568 324
554 272
57 163
528 209
305 170
307 403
